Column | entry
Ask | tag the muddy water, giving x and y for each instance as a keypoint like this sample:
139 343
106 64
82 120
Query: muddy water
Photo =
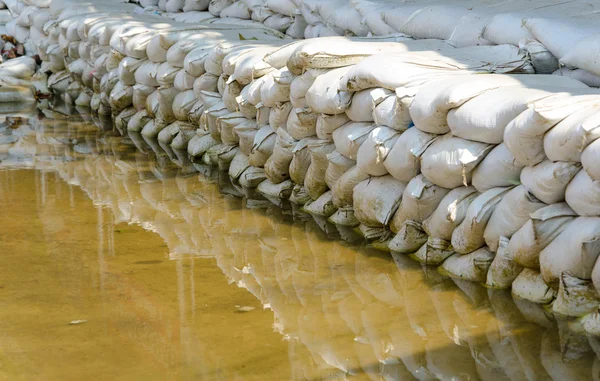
119 261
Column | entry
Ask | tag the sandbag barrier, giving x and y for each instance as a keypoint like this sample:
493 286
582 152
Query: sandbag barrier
458 157
288 266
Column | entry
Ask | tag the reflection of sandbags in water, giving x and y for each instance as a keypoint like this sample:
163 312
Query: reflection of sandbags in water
559 367
442 296
448 361
376 275
575 297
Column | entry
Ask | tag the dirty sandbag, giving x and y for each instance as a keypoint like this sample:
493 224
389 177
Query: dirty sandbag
226 125
180 142
277 167
199 144
184 81
543 61
327 124
230 93
211 119
590 159
343 189
165 75
16 94
323 206
209 98
122 119
510 214
409 238
497 169
276 192
251 66
279 115
574 250
543 227
138 121
299 195
524 135
262 149
121 96
575 297
246 132
473 266
504 270
279 57
314 180
146 73
323 96
375 149
349 137
419 200
183 103
336 52
301 123
338 165
434 252
21 67
364 102
450 212
583 194
298 167
485 117
393 113
300 85
243 104
566 141
344 217
140 95
276 87
220 155
449 161
205 82
196 112
173 130
530 285
548 180
404 159
127 68
377 199
468 236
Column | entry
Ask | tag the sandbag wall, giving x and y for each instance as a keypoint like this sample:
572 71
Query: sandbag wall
458 157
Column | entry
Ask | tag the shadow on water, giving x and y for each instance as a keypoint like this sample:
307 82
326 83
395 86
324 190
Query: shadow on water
226 292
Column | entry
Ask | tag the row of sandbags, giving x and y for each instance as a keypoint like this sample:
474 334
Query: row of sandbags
369 132
410 323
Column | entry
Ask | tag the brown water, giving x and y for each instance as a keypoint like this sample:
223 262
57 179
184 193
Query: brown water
173 280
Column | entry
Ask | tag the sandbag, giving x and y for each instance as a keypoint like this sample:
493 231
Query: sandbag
277 167
509 215
473 266
469 235
450 212
246 133
199 144
404 159
337 166
300 162
566 141
262 149
323 96
377 199
349 137
138 121
323 206
530 285
503 270
314 181
583 195
276 87
497 169
581 75
363 103
575 297
590 159
449 161
301 123
226 125
279 115
548 180
574 250
374 150
543 227
419 200
524 135
327 124
183 103
409 238
300 85
343 189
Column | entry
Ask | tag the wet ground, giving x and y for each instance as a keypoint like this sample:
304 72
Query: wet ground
120 261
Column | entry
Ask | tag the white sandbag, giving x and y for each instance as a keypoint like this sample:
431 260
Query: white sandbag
314 181
226 125
503 270
301 160
560 35
404 159
567 140
182 104
391 113
543 227
324 97
230 94
583 76
419 200
524 136
327 124
184 81
449 161
277 166
138 121
377 199
262 149
583 195
548 180
146 74
485 117
575 297
363 103
509 215
338 165
300 86
246 133
193 62
335 52
469 235
590 159
375 149
21 67
450 212
393 70
121 96
343 189
575 250
279 115
278 22
473 266
196 5
236 10
530 285
251 66
301 123
497 169
276 88
349 137
206 82
216 6
323 206
296 30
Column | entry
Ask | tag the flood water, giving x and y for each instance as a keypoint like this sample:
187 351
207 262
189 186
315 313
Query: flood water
120 261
